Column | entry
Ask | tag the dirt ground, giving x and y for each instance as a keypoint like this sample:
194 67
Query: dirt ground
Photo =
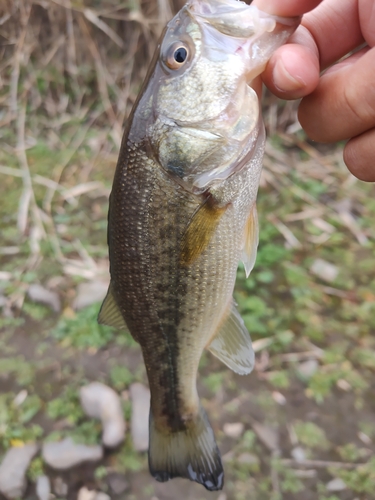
305 418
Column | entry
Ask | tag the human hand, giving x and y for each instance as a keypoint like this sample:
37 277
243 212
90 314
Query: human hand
339 105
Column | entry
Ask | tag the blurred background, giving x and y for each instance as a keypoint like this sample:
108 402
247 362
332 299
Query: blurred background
302 425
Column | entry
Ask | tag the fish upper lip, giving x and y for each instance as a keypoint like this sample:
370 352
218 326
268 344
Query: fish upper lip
250 19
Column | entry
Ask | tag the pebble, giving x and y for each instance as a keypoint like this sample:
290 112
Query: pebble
140 397
102 402
59 487
308 368
117 482
248 459
233 430
336 484
268 435
43 488
90 293
298 453
13 470
86 494
38 293
65 454
324 270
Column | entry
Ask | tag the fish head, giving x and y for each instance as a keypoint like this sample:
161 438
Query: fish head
203 115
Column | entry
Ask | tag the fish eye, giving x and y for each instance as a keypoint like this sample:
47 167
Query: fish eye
177 55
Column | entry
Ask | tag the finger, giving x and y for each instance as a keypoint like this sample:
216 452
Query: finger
366 11
287 8
359 156
343 104
335 28
292 72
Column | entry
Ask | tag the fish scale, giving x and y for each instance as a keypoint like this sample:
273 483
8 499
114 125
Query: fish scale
182 214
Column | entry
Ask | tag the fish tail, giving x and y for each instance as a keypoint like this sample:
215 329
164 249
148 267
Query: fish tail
191 453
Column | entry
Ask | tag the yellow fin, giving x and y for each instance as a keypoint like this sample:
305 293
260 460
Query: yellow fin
110 313
200 231
232 344
251 241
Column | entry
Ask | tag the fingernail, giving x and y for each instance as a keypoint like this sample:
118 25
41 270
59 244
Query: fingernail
283 80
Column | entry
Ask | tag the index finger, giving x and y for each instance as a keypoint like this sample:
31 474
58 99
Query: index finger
286 8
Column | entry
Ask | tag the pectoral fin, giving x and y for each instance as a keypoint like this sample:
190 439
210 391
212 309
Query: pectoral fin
232 344
110 313
251 241
200 231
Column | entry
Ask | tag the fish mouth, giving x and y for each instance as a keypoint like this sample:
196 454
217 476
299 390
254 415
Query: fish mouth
232 27
235 18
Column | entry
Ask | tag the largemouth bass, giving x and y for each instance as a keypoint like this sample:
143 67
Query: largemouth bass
182 214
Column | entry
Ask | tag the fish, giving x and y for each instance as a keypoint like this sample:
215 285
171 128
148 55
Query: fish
182 214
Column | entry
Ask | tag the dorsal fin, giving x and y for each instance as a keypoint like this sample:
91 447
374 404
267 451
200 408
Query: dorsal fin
249 254
200 231
232 344
110 313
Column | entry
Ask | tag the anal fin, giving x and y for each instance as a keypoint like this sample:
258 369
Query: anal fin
110 313
249 254
232 344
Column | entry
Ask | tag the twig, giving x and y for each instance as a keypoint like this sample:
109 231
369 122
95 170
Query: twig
27 195
320 464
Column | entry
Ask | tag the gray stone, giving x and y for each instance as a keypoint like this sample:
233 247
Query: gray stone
298 453
38 293
43 488
324 270
102 402
65 454
102 496
308 368
13 470
248 459
336 484
268 435
86 494
59 487
233 430
117 482
140 397
90 293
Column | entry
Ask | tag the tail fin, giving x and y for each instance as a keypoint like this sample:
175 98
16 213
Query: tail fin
191 453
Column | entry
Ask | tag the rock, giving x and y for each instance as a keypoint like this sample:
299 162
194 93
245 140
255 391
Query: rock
268 435
90 293
102 496
65 454
324 270
86 494
233 430
298 453
279 398
117 482
140 397
60 488
13 470
336 484
38 293
248 459
102 402
307 369
43 488
222 496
